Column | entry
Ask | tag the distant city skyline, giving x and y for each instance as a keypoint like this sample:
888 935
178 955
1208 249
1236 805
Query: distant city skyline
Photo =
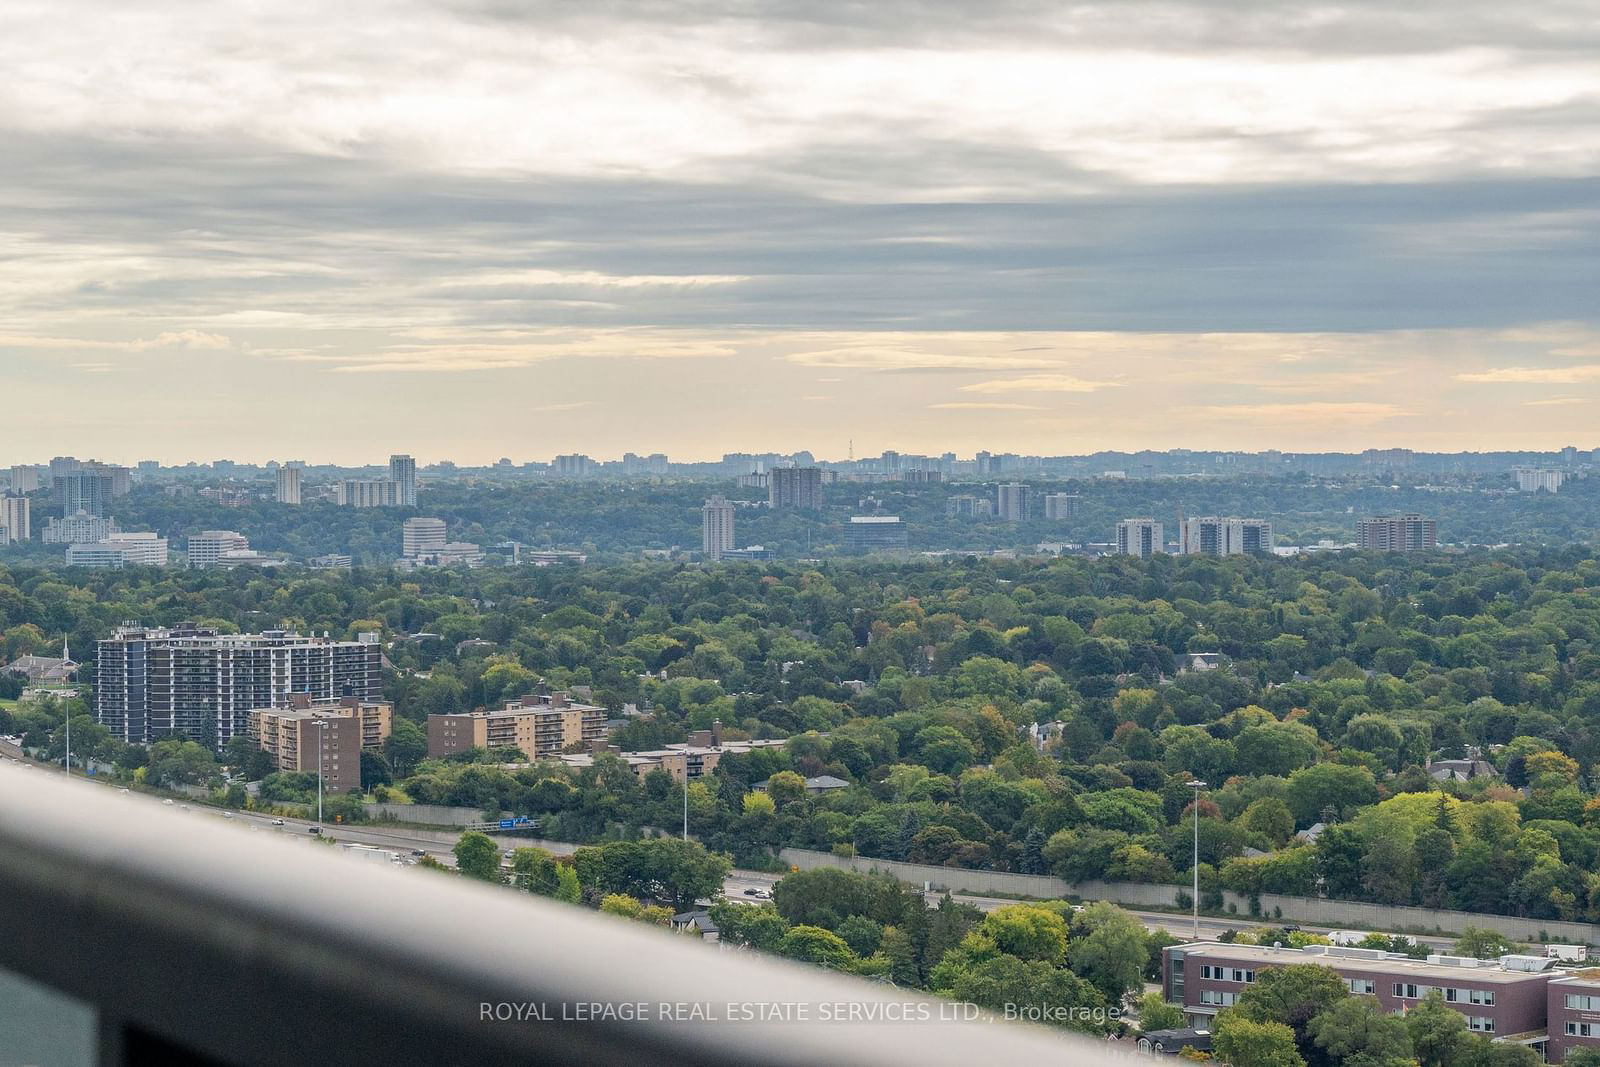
492 231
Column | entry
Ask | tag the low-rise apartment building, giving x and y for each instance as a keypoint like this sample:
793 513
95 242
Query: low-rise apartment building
684 762
1504 999
539 726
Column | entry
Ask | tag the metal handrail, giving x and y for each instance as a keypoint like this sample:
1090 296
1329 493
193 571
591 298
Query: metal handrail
191 937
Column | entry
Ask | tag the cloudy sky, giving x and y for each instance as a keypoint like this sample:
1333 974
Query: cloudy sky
475 228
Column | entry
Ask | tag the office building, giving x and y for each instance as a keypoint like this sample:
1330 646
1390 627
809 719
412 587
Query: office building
82 490
288 485
368 493
403 473
538 726
16 516
25 478
79 529
795 487
1397 533
332 562
875 533
120 550
1060 507
1224 537
422 537
716 527
1504 998
1014 502
1535 479
207 547
152 683
1139 537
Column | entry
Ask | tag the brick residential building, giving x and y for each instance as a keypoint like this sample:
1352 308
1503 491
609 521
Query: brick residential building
1573 1012
537 725
1504 999
333 730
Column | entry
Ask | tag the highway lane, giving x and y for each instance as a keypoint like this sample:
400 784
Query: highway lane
440 844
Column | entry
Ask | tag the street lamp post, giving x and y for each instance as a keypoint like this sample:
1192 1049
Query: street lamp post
686 804
1197 785
319 724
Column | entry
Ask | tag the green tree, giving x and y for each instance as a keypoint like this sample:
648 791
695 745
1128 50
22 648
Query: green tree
568 889
1109 950
533 870
1355 1031
1242 1042
1437 1031
406 746
1293 995
813 944
1156 1014
1481 943
478 857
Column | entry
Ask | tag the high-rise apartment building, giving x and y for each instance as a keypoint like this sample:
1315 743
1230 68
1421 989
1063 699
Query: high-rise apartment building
795 487
152 683
538 726
1212 536
966 506
1060 507
78 529
1139 537
288 485
82 490
209 546
1014 502
422 537
403 473
1397 533
25 478
369 493
716 528
16 518
1534 479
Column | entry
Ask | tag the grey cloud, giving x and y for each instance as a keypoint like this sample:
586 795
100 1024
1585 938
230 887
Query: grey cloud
366 244
1351 26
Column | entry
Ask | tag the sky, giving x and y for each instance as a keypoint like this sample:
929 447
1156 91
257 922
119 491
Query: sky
468 229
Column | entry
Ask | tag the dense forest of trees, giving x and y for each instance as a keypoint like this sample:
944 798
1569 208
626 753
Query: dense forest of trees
1342 676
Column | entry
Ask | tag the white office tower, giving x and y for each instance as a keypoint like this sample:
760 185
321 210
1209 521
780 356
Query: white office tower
1139 537
716 527
403 473
422 537
208 546
288 485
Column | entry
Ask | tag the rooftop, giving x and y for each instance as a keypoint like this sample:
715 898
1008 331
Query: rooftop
1506 969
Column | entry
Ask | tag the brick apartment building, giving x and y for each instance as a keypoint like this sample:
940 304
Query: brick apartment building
539 726
329 732
1573 1012
1505 999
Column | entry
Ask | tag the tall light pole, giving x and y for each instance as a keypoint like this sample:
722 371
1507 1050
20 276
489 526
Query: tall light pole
686 803
68 718
319 724
1197 785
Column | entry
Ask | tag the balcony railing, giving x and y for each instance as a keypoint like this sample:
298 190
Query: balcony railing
141 933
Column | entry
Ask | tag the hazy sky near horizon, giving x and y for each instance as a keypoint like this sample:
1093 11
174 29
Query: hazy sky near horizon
479 228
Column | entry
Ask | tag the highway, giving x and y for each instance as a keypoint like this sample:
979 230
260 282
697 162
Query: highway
440 843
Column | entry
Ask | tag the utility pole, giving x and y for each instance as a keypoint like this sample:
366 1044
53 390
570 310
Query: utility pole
686 803
319 724
1196 785
68 718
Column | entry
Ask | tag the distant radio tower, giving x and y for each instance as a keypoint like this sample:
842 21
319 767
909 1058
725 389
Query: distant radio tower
852 450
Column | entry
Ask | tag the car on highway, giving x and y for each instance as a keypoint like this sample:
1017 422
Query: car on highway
419 852
277 822
758 892
227 815
314 830
167 802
